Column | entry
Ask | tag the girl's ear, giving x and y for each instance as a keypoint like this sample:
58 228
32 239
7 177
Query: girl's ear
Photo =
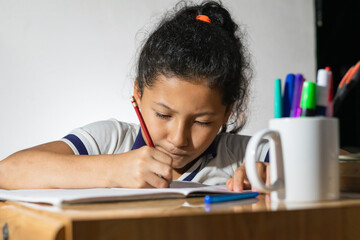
228 113
137 93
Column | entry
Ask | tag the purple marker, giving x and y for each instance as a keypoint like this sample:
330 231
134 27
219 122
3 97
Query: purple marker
295 106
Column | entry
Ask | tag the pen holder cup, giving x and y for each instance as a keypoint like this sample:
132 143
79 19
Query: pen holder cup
304 165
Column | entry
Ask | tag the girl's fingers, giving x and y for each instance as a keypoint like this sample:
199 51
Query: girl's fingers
160 170
229 184
268 175
157 181
161 156
151 168
261 170
166 170
240 181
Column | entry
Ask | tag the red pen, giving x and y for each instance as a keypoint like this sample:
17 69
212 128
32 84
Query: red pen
142 123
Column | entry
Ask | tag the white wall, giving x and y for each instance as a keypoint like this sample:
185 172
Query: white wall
66 63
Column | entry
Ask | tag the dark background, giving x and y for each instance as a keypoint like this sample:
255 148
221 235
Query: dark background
337 30
338 46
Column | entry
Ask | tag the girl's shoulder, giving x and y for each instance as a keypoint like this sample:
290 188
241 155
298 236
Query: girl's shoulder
233 146
230 140
112 125
103 137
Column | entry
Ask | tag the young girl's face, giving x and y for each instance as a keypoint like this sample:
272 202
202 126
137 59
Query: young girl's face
183 118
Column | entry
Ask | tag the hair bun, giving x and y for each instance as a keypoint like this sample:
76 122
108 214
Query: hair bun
219 16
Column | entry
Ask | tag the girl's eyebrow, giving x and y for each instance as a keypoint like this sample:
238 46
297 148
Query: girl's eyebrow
174 111
164 106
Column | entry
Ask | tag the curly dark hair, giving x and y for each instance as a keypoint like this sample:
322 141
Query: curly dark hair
198 51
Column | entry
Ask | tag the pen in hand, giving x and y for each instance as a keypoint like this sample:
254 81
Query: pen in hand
142 123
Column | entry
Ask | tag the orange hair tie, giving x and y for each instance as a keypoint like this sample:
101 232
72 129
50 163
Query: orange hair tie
203 18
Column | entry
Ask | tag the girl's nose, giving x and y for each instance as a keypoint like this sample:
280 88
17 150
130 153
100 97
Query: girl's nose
179 134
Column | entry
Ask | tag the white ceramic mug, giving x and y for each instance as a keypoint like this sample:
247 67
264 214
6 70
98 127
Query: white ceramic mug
303 159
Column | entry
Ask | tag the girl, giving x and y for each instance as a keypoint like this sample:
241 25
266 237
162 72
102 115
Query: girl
192 88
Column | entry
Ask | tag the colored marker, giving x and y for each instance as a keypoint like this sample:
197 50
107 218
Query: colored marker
229 197
308 99
322 91
142 122
329 110
295 106
288 94
277 99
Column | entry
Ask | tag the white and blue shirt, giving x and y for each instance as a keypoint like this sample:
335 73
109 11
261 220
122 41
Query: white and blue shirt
217 164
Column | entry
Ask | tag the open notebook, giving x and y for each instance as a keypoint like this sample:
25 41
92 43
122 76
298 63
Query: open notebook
178 189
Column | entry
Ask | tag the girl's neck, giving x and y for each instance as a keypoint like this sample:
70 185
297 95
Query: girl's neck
180 171
176 174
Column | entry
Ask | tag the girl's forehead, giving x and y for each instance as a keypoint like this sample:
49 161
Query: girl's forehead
177 84
174 78
179 92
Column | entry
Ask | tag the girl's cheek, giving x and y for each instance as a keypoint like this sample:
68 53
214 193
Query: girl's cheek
158 129
202 136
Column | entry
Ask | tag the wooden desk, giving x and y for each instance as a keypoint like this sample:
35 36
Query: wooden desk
185 219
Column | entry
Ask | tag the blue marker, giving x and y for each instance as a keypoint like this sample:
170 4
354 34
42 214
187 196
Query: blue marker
295 106
229 197
288 94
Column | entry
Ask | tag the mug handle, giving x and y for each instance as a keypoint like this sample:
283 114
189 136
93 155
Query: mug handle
276 165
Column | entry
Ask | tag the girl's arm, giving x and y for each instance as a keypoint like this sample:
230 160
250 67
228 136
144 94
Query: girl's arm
54 165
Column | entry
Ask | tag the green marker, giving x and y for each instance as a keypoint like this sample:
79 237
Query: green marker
277 99
308 99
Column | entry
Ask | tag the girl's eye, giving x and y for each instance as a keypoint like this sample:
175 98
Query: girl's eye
163 116
204 124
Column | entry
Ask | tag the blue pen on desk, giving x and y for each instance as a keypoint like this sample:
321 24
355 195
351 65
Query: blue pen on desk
229 197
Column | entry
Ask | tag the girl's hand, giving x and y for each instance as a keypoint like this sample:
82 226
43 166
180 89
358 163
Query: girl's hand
240 182
145 167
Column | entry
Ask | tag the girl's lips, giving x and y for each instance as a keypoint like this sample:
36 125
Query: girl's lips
175 153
